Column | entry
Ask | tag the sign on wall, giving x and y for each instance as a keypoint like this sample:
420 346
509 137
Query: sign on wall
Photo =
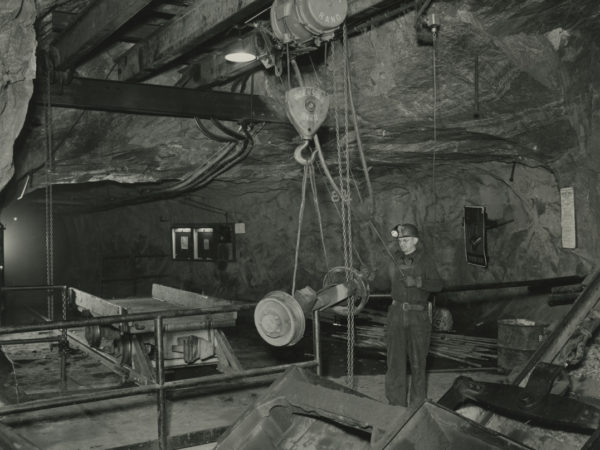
567 217
475 238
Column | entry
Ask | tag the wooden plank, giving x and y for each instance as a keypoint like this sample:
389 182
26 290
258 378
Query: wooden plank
143 304
228 361
95 305
63 19
137 98
186 298
141 363
183 34
93 26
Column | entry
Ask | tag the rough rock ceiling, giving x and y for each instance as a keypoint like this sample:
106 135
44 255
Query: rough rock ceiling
505 72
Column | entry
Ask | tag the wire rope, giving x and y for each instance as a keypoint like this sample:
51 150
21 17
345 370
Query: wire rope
299 233
435 95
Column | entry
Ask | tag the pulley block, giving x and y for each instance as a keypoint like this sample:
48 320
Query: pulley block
306 107
279 319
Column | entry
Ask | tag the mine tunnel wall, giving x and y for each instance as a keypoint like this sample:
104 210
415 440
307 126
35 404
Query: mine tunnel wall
122 251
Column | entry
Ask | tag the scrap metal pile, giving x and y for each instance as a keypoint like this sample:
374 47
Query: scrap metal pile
472 351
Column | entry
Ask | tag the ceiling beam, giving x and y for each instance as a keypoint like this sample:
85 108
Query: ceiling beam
137 98
211 68
204 21
61 20
93 26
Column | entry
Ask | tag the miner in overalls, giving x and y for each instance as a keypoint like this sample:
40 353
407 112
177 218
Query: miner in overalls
413 277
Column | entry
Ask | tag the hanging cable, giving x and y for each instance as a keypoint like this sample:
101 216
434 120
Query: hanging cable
232 133
299 233
343 157
289 75
48 200
434 33
348 260
339 213
361 152
313 186
297 72
324 166
209 134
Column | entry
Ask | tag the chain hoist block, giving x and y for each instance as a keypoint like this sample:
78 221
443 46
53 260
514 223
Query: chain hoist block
306 107
300 21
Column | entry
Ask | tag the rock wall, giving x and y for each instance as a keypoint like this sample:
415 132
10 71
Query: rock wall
17 72
132 246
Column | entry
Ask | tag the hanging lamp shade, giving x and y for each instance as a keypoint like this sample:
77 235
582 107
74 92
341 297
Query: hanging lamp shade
240 52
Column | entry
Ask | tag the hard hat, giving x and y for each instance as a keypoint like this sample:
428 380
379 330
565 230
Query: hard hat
405 230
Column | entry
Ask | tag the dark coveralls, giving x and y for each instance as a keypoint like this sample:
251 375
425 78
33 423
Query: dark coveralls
409 328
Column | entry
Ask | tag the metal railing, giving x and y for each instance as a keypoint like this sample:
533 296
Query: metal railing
161 386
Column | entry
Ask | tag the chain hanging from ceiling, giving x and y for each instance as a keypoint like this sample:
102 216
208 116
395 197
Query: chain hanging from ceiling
434 32
343 155
48 199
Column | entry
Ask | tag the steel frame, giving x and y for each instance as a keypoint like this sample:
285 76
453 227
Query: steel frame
161 386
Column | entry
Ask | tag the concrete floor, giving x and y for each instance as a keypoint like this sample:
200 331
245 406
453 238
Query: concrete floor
129 422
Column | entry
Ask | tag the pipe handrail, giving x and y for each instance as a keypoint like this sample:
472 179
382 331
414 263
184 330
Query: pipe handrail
108 394
541 282
135 317
33 287
161 386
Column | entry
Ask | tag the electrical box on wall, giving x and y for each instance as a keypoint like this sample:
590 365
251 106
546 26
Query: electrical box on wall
182 243
203 242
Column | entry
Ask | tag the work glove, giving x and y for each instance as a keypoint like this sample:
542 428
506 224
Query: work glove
410 281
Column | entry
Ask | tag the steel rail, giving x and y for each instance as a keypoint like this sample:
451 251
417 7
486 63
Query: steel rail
205 381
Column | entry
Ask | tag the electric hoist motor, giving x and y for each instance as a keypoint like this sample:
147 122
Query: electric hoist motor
300 21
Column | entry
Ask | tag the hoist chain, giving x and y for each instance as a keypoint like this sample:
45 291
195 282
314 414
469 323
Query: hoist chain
49 213
49 229
343 156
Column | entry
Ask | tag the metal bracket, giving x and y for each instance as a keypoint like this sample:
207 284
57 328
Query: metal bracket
534 402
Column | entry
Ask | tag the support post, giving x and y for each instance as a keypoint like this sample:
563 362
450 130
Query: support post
317 341
63 343
163 433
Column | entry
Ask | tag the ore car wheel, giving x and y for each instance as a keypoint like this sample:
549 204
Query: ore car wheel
93 336
123 347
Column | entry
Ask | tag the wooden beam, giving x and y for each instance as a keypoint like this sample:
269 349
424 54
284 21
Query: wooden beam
137 98
94 25
61 20
204 21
